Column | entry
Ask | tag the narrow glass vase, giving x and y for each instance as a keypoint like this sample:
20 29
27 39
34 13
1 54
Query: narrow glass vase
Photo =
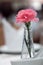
27 46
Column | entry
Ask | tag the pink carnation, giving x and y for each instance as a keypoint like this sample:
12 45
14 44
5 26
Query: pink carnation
26 15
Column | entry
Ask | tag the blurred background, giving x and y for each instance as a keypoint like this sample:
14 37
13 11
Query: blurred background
8 11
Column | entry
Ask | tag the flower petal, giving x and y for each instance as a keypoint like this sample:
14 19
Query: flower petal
36 19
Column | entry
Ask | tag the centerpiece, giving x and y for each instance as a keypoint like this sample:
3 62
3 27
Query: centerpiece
27 16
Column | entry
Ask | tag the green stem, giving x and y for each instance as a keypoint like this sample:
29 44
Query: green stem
29 43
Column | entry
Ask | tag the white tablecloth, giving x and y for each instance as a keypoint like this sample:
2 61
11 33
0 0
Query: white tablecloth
6 59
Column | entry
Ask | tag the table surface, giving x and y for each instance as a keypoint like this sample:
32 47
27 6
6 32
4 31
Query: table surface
5 59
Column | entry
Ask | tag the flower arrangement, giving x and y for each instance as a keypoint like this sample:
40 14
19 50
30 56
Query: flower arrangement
27 16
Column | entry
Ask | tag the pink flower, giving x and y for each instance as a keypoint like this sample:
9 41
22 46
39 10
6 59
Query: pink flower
26 15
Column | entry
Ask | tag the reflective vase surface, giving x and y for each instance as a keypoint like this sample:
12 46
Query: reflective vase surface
27 46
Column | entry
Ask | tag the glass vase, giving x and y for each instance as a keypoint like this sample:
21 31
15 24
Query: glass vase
27 46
